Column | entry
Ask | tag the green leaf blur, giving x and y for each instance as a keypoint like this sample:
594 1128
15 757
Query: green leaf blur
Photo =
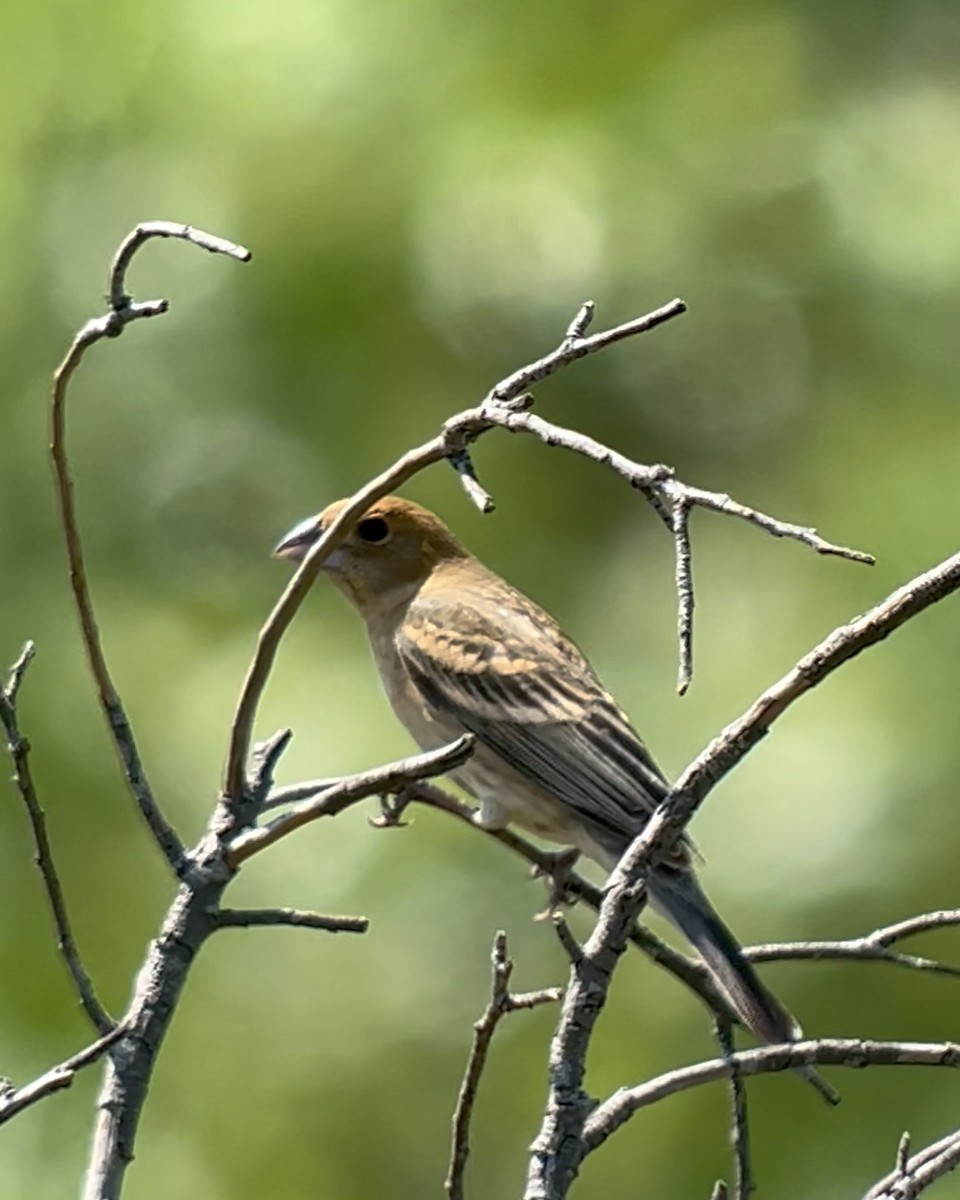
430 191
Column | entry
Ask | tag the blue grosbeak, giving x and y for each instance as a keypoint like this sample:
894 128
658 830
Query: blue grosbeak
459 649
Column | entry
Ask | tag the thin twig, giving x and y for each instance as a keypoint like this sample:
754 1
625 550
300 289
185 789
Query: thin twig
393 777
19 749
574 346
870 947
121 313
13 1101
571 947
661 479
922 923
684 580
119 299
903 1152
265 757
462 463
245 918
739 1125
609 1116
502 1002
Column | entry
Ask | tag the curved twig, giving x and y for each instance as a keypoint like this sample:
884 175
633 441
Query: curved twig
392 778
608 1117
121 313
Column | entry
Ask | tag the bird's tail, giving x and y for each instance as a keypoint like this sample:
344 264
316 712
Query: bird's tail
679 897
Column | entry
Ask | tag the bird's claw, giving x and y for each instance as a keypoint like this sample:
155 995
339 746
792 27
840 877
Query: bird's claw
556 872
392 808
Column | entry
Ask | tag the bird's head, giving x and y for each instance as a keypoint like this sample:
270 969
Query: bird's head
387 554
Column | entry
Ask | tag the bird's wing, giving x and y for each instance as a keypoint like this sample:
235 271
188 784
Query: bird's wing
503 670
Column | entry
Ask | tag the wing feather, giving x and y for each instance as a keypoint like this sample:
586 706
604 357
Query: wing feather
507 674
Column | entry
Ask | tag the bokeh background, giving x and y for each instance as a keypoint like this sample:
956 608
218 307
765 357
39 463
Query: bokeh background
430 191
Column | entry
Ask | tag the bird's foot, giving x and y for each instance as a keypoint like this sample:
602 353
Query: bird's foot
392 808
556 872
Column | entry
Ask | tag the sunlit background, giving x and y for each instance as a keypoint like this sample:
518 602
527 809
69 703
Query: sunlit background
430 191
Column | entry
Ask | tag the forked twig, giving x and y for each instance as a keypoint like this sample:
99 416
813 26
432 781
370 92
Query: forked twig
502 1002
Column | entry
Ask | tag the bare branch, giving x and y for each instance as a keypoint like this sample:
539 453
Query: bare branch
17 672
608 1117
689 971
15 1100
659 480
393 777
189 921
940 919
266 755
739 1125
118 297
722 503
684 578
19 749
575 346
121 313
871 947
245 918
914 1174
502 1001
462 463
571 947
582 321
903 1152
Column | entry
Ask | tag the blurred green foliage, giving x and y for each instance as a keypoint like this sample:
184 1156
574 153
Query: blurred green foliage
430 190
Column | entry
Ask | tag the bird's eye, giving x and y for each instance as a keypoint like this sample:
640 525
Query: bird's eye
374 530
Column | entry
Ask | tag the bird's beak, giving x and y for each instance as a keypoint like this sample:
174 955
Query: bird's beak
296 544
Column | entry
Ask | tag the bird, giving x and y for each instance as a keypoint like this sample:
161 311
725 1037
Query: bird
460 650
